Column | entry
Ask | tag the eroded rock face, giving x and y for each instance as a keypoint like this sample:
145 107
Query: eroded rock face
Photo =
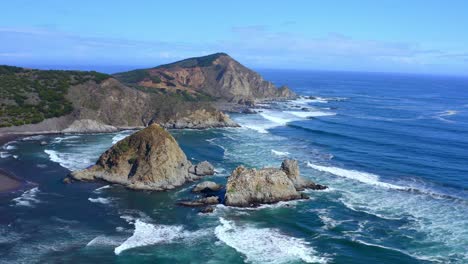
150 159
251 187
200 119
291 168
207 186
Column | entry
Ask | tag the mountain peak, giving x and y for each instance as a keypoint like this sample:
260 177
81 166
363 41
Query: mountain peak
203 61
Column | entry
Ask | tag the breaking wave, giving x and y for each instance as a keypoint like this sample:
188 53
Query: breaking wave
28 198
280 153
146 234
363 177
265 245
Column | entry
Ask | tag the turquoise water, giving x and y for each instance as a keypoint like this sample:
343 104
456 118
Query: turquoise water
392 149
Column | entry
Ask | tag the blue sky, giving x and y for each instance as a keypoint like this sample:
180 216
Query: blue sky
389 36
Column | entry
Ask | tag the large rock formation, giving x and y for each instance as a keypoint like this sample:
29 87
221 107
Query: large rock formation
217 75
250 187
150 159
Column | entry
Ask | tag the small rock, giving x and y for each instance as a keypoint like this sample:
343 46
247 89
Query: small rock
67 180
204 168
43 143
207 186
248 111
200 202
207 210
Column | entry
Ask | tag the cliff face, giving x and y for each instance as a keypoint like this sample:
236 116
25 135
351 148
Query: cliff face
108 105
150 159
217 75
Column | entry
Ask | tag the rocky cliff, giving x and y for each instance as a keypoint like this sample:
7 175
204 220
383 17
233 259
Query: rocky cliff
217 75
150 159
72 101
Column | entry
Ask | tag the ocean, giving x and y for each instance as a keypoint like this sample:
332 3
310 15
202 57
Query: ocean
391 147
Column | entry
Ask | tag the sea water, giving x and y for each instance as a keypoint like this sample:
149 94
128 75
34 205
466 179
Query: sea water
391 148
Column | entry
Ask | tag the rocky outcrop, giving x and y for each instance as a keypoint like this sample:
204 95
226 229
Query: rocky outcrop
211 200
203 168
88 125
291 168
217 75
150 159
207 186
251 187
200 119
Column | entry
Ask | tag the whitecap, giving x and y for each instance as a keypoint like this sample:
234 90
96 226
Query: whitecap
304 114
66 138
448 113
118 137
146 234
265 245
28 198
4 154
280 153
104 241
100 200
363 177
33 138
9 147
71 161
98 190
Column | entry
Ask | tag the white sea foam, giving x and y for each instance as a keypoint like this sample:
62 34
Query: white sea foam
441 115
28 198
104 241
363 177
4 154
100 200
98 190
304 114
71 161
266 119
118 137
448 113
146 234
60 139
33 138
9 146
280 153
265 245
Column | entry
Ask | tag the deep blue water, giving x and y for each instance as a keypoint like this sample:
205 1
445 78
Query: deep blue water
392 148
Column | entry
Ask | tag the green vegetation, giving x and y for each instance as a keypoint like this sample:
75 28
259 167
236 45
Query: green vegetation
29 96
194 62
134 76
122 146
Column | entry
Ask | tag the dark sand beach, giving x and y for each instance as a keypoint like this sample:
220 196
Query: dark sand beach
8 182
